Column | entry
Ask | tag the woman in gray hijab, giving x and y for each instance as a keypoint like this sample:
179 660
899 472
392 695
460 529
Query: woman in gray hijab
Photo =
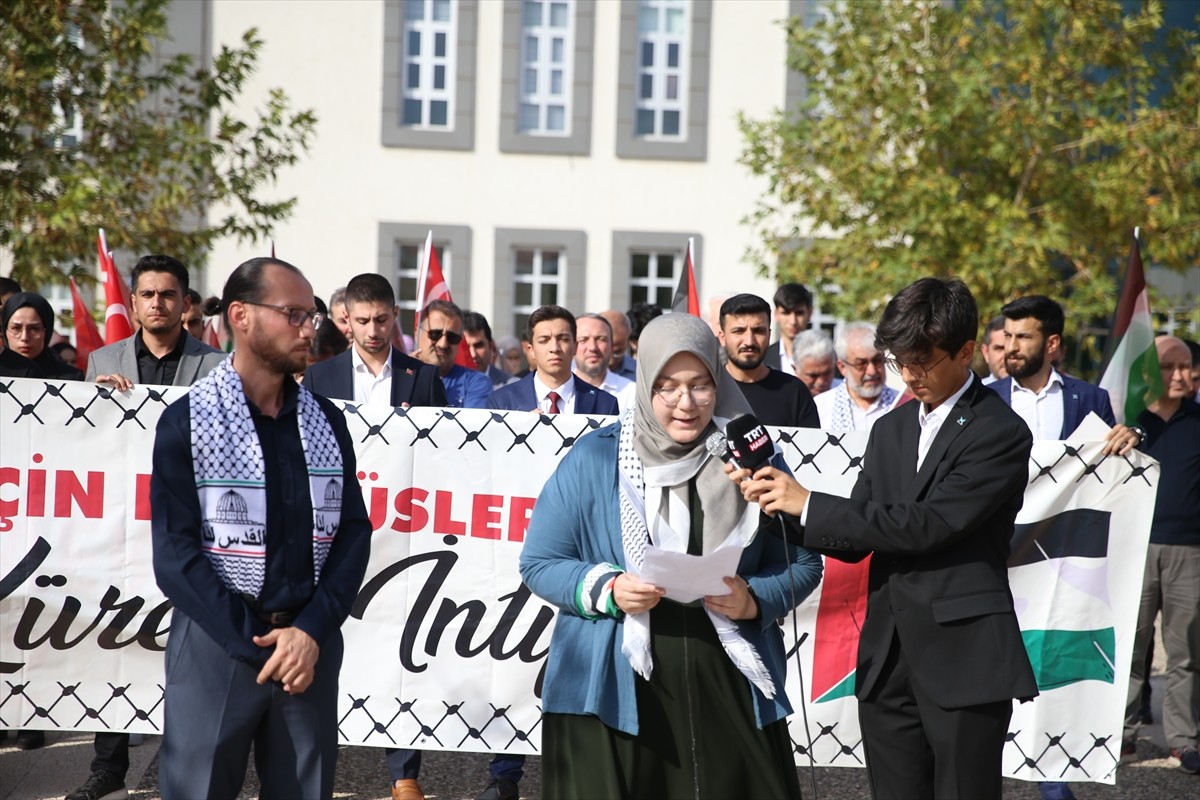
645 694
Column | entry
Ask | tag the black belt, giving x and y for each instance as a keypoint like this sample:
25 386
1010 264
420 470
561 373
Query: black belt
276 619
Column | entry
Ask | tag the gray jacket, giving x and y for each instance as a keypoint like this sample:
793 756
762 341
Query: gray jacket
120 357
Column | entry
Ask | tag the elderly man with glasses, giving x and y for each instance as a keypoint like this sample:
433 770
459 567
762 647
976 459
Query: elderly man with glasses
864 396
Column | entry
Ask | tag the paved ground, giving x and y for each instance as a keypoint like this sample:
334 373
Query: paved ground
51 772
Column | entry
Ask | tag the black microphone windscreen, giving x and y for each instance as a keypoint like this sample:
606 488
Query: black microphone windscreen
749 441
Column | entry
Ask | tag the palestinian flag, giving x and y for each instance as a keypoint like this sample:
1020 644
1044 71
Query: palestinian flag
1058 572
687 298
840 614
1131 375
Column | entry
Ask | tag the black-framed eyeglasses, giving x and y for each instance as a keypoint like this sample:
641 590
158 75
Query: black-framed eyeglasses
436 334
296 316
917 369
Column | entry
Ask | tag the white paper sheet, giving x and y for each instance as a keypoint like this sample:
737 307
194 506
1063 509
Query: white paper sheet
687 578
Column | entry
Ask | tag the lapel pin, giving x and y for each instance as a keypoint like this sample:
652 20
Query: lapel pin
408 371
962 421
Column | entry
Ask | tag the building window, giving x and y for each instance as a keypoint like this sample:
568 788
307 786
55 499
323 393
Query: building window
401 246
647 266
662 97
538 280
547 56
654 276
536 268
429 73
662 69
546 77
428 64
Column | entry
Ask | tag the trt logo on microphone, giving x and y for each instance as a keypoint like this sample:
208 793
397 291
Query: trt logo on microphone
749 441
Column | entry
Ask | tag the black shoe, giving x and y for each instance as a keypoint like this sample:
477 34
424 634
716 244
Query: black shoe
499 789
31 740
101 785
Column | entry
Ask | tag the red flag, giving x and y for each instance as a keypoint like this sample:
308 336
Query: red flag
687 299
87 335
212 332
431 285
118 324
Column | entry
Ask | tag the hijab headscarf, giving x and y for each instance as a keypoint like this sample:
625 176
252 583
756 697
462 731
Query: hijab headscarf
654 474
48 364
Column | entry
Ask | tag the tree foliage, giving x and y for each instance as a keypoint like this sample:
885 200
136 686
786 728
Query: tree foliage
160 148
1014 144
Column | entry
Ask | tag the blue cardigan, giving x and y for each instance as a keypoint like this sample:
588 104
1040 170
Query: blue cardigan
575 526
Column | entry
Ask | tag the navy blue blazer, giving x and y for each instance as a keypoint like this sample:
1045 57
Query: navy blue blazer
414 383
1079 398
520 396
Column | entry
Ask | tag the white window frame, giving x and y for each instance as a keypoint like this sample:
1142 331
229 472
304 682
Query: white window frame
542 37
651 285
537 279
659 74
426 29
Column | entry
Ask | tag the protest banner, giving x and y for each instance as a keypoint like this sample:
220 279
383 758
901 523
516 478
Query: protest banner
445 646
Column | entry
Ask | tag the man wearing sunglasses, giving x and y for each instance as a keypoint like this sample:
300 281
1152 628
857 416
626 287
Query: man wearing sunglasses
438 341
864 397
372 370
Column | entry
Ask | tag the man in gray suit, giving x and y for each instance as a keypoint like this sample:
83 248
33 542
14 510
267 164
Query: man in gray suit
164 354
161 352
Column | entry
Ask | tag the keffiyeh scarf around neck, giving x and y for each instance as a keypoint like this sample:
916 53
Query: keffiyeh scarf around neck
230 478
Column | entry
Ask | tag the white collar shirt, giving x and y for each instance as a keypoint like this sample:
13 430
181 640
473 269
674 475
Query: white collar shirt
785 360
621 388
931 421
566 394
370 388
1042 411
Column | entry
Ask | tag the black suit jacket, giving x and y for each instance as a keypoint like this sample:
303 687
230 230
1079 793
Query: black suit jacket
521 396
940 542
414 383
772 358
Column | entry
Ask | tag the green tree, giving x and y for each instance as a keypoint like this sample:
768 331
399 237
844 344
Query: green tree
160 148
1013 144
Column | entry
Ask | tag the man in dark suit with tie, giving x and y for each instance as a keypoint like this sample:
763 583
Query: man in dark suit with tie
551 386
372 370
940 656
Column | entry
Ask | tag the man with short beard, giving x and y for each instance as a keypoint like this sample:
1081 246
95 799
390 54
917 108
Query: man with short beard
593 357
777 398
864 396
260 540
1051 404
160 353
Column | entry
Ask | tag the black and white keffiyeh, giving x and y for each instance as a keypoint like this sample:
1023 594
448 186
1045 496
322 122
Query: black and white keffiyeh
843 411
231 481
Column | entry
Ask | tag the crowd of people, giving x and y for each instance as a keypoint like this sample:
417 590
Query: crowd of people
643 695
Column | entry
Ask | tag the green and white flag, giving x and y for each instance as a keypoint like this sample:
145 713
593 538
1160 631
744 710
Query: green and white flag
1131 375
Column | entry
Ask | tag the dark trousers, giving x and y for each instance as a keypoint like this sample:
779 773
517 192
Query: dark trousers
916 749
215 710
404 764
112 753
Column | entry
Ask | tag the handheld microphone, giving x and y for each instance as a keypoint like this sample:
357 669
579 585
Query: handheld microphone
749 442
718 446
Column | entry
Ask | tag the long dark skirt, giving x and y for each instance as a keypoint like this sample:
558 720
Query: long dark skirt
697 735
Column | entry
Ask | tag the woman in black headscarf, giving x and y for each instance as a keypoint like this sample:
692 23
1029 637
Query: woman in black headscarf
645 696
28 325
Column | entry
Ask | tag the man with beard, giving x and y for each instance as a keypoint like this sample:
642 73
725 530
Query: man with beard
161 353
864 396
1051 404
438 341
261 541
593 358
777 398
371 370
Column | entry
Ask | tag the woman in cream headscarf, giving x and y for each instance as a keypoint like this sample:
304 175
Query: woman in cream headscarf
644 696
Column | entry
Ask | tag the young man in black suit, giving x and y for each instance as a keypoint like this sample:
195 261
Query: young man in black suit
372 370
940 657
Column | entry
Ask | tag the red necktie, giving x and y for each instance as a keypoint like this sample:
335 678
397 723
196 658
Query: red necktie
554 398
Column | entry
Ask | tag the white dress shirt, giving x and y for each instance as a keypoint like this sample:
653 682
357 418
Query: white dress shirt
1042 411
931 421
621 388
863 418
370 388
566 394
